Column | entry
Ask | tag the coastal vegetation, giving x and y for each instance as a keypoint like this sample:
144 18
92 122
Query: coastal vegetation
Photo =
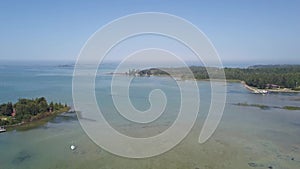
260 76
27 110
267 77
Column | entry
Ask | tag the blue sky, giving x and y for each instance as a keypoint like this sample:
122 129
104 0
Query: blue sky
253 31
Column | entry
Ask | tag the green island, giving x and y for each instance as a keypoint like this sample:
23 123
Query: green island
26 111
272 78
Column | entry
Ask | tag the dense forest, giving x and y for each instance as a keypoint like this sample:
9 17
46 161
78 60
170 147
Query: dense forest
27 110
260 76
285 76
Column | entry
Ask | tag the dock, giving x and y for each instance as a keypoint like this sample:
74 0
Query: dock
255 90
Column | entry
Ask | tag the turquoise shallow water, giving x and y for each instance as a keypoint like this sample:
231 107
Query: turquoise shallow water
247 137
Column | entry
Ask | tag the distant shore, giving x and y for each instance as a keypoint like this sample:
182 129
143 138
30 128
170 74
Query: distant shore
250 88
259 79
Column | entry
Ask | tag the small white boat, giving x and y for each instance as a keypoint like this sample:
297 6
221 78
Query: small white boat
73 147
260 92
2 129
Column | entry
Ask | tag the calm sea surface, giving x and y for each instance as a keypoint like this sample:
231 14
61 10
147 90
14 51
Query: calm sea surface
247 137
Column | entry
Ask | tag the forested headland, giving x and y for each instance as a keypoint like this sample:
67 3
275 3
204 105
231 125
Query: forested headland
260 76
27 110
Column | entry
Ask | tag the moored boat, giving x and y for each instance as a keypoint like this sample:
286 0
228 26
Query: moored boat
2 129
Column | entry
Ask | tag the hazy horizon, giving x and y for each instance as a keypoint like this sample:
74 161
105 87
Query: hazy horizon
71 62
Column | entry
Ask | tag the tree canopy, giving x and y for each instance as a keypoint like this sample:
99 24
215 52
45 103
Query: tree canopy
25 109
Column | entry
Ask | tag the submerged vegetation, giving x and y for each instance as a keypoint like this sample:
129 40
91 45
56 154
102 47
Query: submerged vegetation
262 77
27 110
291 108
265 107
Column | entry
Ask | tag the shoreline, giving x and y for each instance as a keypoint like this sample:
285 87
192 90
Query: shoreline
38 120
261 91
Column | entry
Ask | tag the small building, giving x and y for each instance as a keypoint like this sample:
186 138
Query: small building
272 86
14 113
